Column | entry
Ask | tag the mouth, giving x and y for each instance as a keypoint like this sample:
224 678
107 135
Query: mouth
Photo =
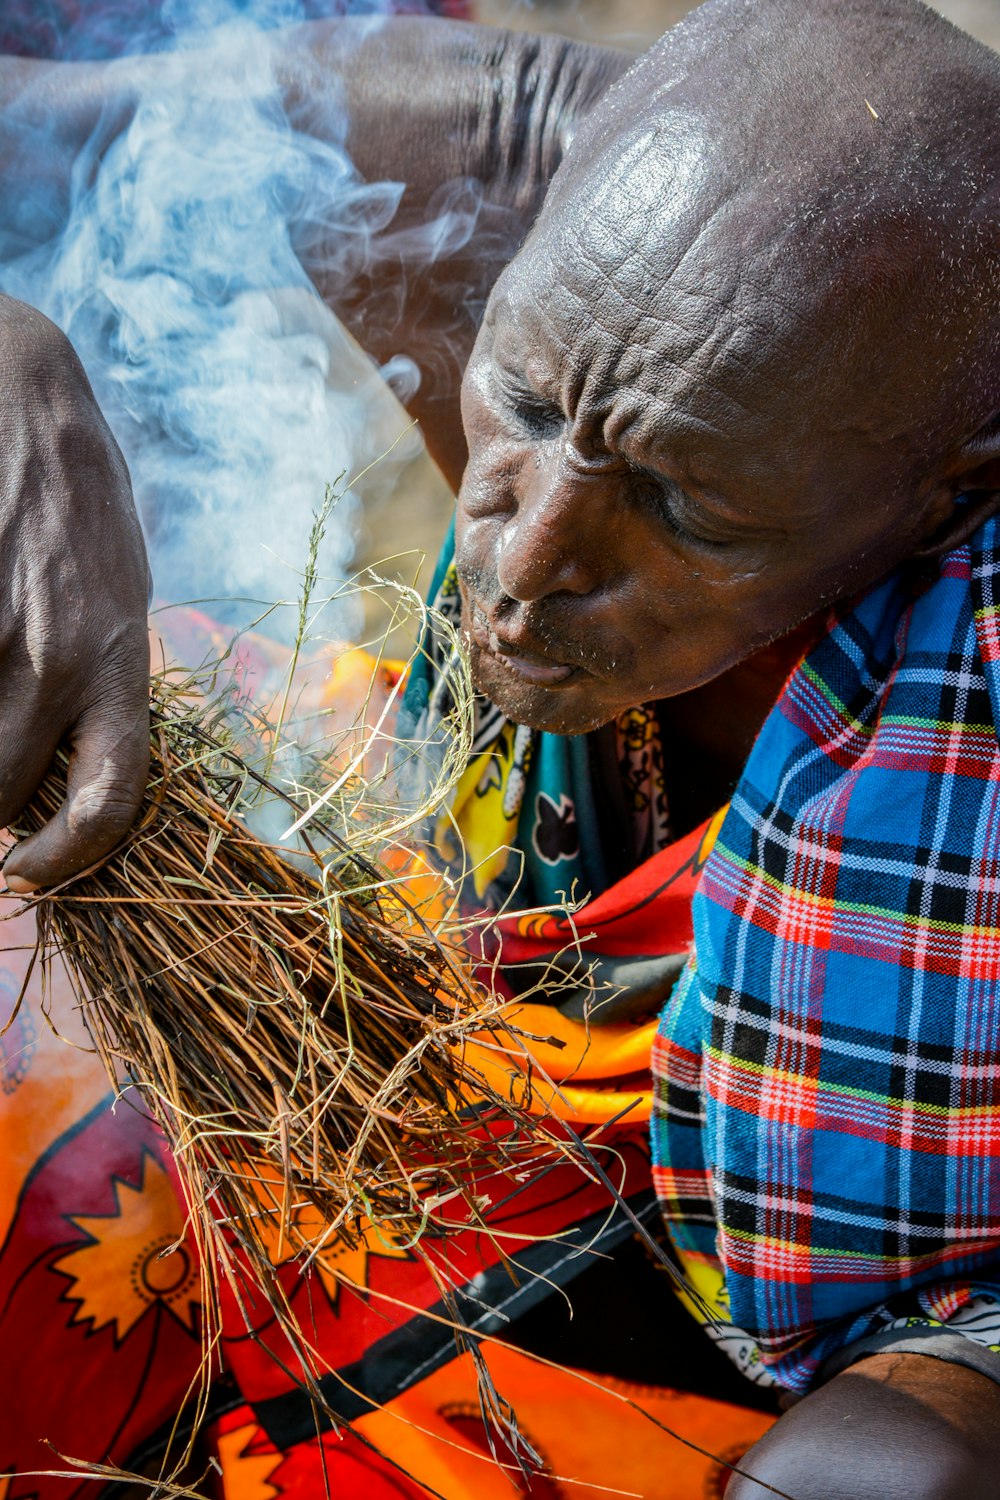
529 666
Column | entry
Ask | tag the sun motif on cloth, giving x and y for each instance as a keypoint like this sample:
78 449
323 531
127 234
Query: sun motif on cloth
134 1259
336 1263
348 1264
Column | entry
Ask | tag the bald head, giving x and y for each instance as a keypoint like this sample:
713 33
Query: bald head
826 175
765 286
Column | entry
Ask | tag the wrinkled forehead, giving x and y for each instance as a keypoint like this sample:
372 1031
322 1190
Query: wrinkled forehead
635 231
650 274
785 212
748 296
642 187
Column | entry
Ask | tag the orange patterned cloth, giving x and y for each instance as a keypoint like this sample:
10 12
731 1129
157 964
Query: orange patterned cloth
595 1435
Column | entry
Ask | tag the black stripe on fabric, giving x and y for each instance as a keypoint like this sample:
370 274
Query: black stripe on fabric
488 1305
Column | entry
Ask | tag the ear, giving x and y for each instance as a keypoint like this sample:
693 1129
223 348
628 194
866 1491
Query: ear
969 494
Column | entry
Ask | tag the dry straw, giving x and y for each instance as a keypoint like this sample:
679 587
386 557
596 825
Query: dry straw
290 1011
292 1020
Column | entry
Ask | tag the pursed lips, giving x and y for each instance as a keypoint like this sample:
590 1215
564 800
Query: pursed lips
530 666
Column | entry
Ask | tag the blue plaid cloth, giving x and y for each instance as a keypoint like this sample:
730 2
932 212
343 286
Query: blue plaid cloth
827 1126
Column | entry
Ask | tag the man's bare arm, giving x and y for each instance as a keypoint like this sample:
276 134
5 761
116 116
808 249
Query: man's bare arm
472 121
475 122
893 1427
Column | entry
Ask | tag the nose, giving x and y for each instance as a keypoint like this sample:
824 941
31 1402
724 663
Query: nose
558 537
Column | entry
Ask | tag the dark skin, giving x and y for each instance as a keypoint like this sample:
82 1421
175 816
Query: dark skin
62 475
688 431
894 1427
744 364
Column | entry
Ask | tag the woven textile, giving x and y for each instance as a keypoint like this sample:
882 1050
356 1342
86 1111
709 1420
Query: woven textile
827 1127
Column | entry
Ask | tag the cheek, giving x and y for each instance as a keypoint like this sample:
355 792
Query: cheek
489 481
483 424
482 508
672 619
692 619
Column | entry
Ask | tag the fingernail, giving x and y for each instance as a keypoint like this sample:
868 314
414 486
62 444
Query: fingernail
19 885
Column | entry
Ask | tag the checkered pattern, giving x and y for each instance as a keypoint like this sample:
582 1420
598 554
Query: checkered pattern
828 1073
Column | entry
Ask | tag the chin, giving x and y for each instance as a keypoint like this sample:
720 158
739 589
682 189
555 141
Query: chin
572 709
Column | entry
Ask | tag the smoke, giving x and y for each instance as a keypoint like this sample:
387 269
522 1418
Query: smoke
89 30
176 272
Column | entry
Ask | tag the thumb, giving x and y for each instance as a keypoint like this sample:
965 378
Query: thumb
108 766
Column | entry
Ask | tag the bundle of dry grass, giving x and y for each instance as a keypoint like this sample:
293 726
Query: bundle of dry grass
293 1023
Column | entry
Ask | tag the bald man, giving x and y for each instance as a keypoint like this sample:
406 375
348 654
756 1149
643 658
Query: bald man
741 377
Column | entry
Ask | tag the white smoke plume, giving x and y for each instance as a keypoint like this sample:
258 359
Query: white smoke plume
234 393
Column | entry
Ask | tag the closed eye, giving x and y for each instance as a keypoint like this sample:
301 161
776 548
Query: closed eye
534 414
675 508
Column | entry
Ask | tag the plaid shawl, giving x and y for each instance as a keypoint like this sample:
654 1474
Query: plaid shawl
827 1126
